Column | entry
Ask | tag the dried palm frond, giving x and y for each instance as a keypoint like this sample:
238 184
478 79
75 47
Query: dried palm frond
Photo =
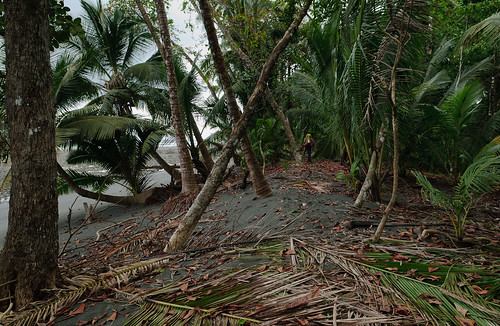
437 304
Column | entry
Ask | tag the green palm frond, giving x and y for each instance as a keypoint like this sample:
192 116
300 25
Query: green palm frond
437 304
98 127
98 183
488 29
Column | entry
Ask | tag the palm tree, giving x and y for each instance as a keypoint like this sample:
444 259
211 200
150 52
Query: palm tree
113 44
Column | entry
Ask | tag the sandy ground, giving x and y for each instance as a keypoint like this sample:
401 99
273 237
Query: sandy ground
74 203
305 203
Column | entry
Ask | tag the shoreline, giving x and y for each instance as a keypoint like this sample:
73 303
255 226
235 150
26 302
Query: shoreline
73 203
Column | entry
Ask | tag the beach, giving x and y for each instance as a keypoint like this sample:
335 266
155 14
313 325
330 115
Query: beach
74 203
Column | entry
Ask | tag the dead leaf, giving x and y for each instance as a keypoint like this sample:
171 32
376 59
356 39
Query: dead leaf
430 298
190 298
479 290
465 321
290 252
184 287
187 314
432 269
261 268
299 302
302 321
78 311
392 269
463 311
399 257
82 323
113 316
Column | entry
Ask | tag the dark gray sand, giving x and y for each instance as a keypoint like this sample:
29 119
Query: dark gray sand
306 203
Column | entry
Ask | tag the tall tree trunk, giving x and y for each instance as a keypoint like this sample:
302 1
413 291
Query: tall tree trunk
29 257
391 95
189 185
174 173
188 223
370 175
274 104
262 188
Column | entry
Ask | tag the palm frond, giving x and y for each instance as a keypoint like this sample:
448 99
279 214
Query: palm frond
488 29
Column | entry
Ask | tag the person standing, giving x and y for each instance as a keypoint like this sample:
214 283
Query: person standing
308 144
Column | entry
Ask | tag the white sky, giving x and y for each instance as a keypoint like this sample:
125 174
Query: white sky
193 40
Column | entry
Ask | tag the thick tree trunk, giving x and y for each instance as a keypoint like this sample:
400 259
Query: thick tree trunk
370 175
262 188
29 257
188 223
138 199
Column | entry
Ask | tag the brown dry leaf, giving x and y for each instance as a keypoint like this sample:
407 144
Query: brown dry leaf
392 269
302 321
318 316
432 269
465 321
299 302
190 298
184 287
97 318
430 298
83 323
113 316
290 252
78 311
187 314
479 290
261 268
399 257
463 311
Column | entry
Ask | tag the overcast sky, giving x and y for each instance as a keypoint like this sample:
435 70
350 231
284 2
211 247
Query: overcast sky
194 41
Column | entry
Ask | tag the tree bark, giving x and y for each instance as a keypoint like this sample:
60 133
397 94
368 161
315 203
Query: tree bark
188 223
189 185
262 188
29 256
363 193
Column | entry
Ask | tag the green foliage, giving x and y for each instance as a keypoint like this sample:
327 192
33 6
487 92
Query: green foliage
62 25
353 178
268 139
481 177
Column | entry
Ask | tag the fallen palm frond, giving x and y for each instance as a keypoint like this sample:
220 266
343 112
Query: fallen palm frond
437 304
270 294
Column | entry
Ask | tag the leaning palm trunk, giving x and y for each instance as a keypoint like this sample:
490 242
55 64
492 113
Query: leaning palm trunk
370 175
138 199
262 188
274 104
189 185
188 223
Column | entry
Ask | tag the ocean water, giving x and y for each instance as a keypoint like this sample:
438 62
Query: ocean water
167 151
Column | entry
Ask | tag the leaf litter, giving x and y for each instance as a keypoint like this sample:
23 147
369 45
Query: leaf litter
269 262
